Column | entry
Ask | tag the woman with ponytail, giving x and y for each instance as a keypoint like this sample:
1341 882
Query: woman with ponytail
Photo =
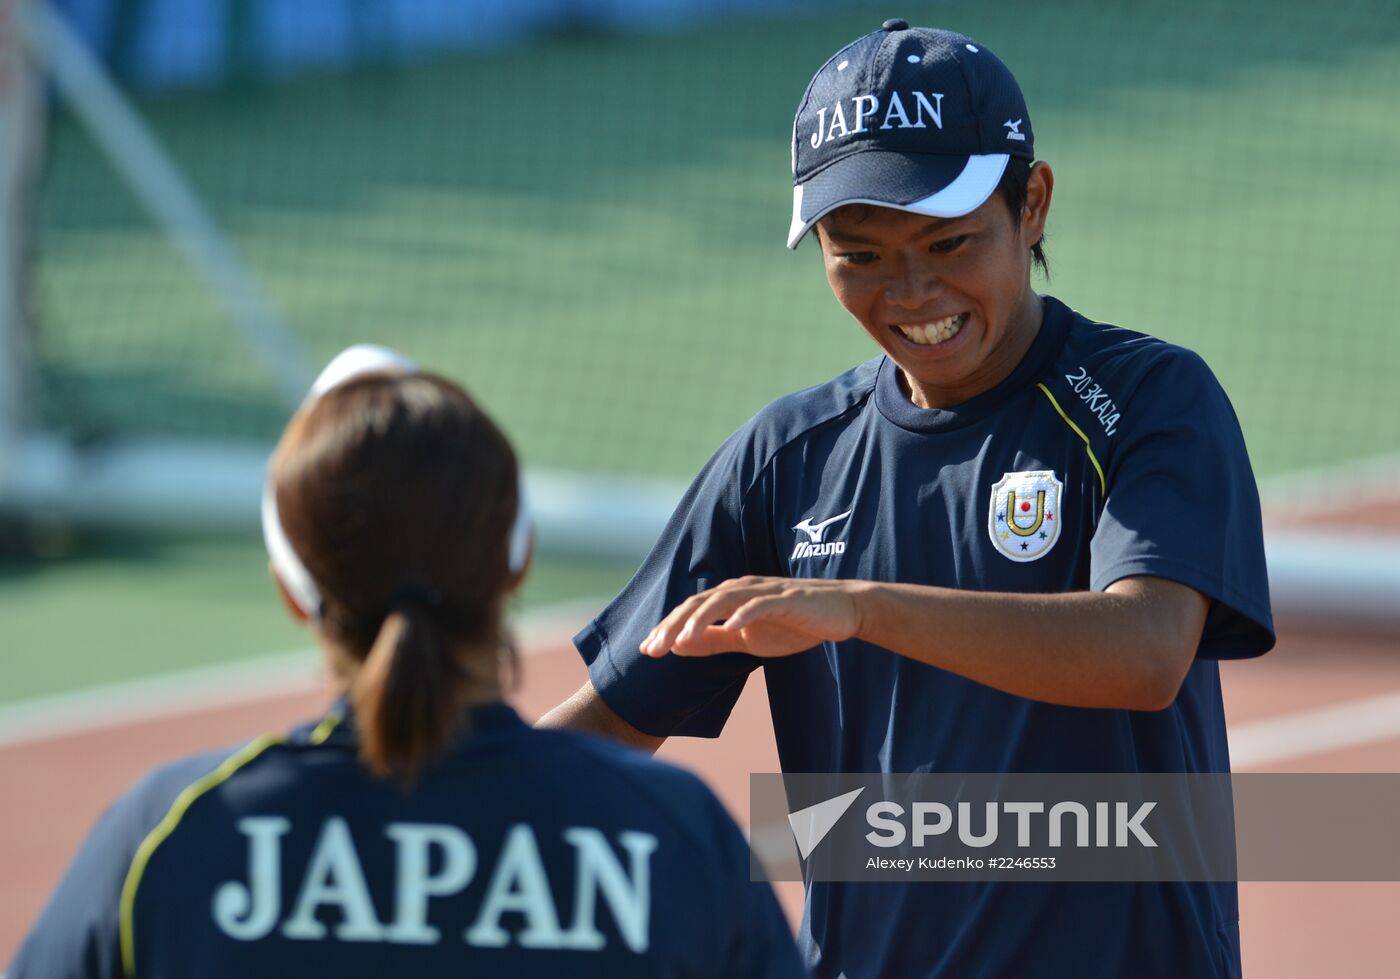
419 828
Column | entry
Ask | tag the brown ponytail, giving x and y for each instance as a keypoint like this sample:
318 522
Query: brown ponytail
398 493
405 693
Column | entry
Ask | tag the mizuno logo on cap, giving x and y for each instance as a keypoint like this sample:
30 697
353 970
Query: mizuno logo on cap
925 106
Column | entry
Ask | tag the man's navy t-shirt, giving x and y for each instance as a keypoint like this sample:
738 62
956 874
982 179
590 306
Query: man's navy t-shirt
1105 454
520 853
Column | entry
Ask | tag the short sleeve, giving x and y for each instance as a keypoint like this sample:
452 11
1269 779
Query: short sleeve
1182 504
719 531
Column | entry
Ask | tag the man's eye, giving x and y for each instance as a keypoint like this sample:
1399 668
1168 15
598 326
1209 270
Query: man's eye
947 244
859 258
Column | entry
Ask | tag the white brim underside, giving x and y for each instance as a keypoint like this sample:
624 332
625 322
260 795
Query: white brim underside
964 195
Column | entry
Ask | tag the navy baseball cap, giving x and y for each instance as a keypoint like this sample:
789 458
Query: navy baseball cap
913 118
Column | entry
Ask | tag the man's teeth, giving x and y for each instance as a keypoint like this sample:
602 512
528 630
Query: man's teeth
928 334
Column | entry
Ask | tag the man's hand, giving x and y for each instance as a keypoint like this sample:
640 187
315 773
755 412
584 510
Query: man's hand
760 616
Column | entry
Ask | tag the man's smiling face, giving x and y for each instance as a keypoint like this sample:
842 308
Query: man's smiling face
949 299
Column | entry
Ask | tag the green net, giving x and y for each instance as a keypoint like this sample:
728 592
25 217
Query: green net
588 230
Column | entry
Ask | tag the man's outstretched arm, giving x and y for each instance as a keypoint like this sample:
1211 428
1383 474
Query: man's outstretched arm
1128 647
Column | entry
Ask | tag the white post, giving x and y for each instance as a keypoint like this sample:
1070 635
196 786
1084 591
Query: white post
21 138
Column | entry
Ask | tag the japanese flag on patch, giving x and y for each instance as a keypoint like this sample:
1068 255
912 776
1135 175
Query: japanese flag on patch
1024 518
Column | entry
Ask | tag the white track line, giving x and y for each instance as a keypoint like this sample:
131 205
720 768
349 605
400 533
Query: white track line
230 684
157 697
1315 731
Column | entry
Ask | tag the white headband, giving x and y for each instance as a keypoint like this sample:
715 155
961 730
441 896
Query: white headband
364 358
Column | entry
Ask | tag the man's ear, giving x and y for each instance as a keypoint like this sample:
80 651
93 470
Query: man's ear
301 615
1040 187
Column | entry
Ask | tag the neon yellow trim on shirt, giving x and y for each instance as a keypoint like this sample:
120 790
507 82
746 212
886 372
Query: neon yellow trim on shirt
1103 483
323 730
167 826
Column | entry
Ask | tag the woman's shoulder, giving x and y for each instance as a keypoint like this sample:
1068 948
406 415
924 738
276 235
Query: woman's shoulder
152 796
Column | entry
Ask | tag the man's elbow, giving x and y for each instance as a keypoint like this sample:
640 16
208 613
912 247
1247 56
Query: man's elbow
1159 681
1168 618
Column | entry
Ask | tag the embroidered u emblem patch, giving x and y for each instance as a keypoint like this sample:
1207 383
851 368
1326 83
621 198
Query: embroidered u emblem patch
1024 517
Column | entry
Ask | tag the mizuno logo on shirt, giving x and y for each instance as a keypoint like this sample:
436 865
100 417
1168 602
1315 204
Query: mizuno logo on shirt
814 546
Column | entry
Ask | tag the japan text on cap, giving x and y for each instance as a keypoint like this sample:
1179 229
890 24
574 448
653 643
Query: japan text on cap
913 118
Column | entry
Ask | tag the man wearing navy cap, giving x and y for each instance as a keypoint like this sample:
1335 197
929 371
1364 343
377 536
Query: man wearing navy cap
1017 541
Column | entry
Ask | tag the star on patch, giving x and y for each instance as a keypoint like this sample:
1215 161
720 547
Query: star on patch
1001 518
1049 515
1024 546
1042 535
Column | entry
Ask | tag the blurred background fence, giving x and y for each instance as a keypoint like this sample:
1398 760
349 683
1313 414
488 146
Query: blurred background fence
577 208
585 225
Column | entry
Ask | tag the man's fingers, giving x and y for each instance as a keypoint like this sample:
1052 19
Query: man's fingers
754 609
688 619
710 640
686 624
716 607
658 643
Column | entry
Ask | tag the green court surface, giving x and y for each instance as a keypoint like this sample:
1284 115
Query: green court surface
122 607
